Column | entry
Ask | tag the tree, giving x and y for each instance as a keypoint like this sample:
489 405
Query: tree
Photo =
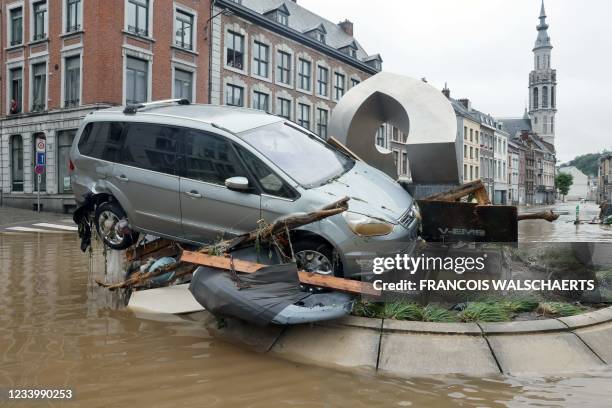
563 182
587 163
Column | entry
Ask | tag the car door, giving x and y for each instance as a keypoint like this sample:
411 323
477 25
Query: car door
146 178
210 210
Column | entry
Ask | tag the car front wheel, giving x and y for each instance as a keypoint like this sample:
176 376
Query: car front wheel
113 232
318 257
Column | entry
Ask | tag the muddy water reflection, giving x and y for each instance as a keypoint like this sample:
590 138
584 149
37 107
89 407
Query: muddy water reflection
57 330
563 229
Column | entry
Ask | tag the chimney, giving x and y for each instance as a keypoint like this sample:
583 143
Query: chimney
466 103
347 27
446 91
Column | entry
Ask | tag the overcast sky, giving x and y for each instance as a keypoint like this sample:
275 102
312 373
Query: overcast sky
482 48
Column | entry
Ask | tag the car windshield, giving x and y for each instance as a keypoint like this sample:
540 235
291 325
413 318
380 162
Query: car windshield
303 156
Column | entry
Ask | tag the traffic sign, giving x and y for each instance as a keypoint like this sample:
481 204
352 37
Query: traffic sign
41 158
41 145
39 169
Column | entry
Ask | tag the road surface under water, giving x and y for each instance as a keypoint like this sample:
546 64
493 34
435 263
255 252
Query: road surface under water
58 330
563 229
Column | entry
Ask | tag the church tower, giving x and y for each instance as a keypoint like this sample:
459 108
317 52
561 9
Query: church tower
542 85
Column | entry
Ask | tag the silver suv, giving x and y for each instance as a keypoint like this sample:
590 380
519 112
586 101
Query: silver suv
198 173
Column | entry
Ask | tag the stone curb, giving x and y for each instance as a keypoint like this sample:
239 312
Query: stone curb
562 324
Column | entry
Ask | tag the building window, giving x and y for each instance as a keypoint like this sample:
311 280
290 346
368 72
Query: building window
43 179
184 30
72 81
137 75
16 26
39 87
322 80
465 173
545 97
322 115
380 136
284 108
64 143
234 95
304 119
261 59
40 20
261 101
183 84
282 18
552 96
535 98
320 36
138 17
16 163
284 67
234 44
339 85
355 82
73 15
305 74
552 124
404 169
465 151
16 90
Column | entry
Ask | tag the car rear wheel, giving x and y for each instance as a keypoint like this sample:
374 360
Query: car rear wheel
316 256
114 234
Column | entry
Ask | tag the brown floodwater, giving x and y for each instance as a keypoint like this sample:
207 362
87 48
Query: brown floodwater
58 330
563 229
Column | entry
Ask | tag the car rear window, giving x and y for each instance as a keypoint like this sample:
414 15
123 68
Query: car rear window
102 140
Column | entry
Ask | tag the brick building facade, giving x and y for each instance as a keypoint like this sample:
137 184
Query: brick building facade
61 59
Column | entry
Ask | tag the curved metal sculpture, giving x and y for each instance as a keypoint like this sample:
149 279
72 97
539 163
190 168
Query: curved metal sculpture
417 109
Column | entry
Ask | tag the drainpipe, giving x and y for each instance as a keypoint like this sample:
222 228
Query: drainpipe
209 24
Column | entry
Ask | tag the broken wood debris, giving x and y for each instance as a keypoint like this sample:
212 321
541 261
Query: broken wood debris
548 215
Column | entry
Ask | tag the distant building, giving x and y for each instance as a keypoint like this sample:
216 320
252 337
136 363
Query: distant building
468 139
501 166
580 184
604 182
516 173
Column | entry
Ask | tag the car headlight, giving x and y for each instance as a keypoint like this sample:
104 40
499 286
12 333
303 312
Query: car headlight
365 226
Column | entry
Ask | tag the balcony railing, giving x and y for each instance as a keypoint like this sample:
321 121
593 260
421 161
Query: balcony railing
73 28
183 44
138 31
16 42
40 36
38 107
71 103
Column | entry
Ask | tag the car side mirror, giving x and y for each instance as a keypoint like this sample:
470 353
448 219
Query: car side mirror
237 183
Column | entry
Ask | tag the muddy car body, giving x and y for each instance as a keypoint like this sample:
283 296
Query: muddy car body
197 173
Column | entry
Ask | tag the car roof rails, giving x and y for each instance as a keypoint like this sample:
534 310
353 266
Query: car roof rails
134 108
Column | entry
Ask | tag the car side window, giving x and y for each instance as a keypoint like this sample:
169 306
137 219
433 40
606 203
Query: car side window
269 181
150 146
102 140
209 158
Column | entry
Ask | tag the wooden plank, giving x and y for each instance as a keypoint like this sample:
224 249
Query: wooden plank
336 143
341 284
309 278
146 249
220 262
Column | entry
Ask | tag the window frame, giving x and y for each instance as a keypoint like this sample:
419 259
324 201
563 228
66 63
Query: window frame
281 69
36 35
148 64
20 157
233 88
183 15
258 62
279 107
9 93
304 107
39 107
232 51
12 8
320 70
319 123
65 101
304 78
136 30
192 73
337 88
256 97
67 24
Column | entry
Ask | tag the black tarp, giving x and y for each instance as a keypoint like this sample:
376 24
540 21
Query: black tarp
256 297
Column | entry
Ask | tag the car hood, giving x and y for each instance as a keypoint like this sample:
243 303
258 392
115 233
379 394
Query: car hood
371 192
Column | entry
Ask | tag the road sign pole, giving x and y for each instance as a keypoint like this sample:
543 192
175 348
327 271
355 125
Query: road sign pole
38 179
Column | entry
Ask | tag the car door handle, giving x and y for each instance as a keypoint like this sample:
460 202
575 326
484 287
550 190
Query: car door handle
123 178
193 194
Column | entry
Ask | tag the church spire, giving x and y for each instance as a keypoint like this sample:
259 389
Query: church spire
543 40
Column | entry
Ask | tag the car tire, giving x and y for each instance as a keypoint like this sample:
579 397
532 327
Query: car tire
106 218
317 256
